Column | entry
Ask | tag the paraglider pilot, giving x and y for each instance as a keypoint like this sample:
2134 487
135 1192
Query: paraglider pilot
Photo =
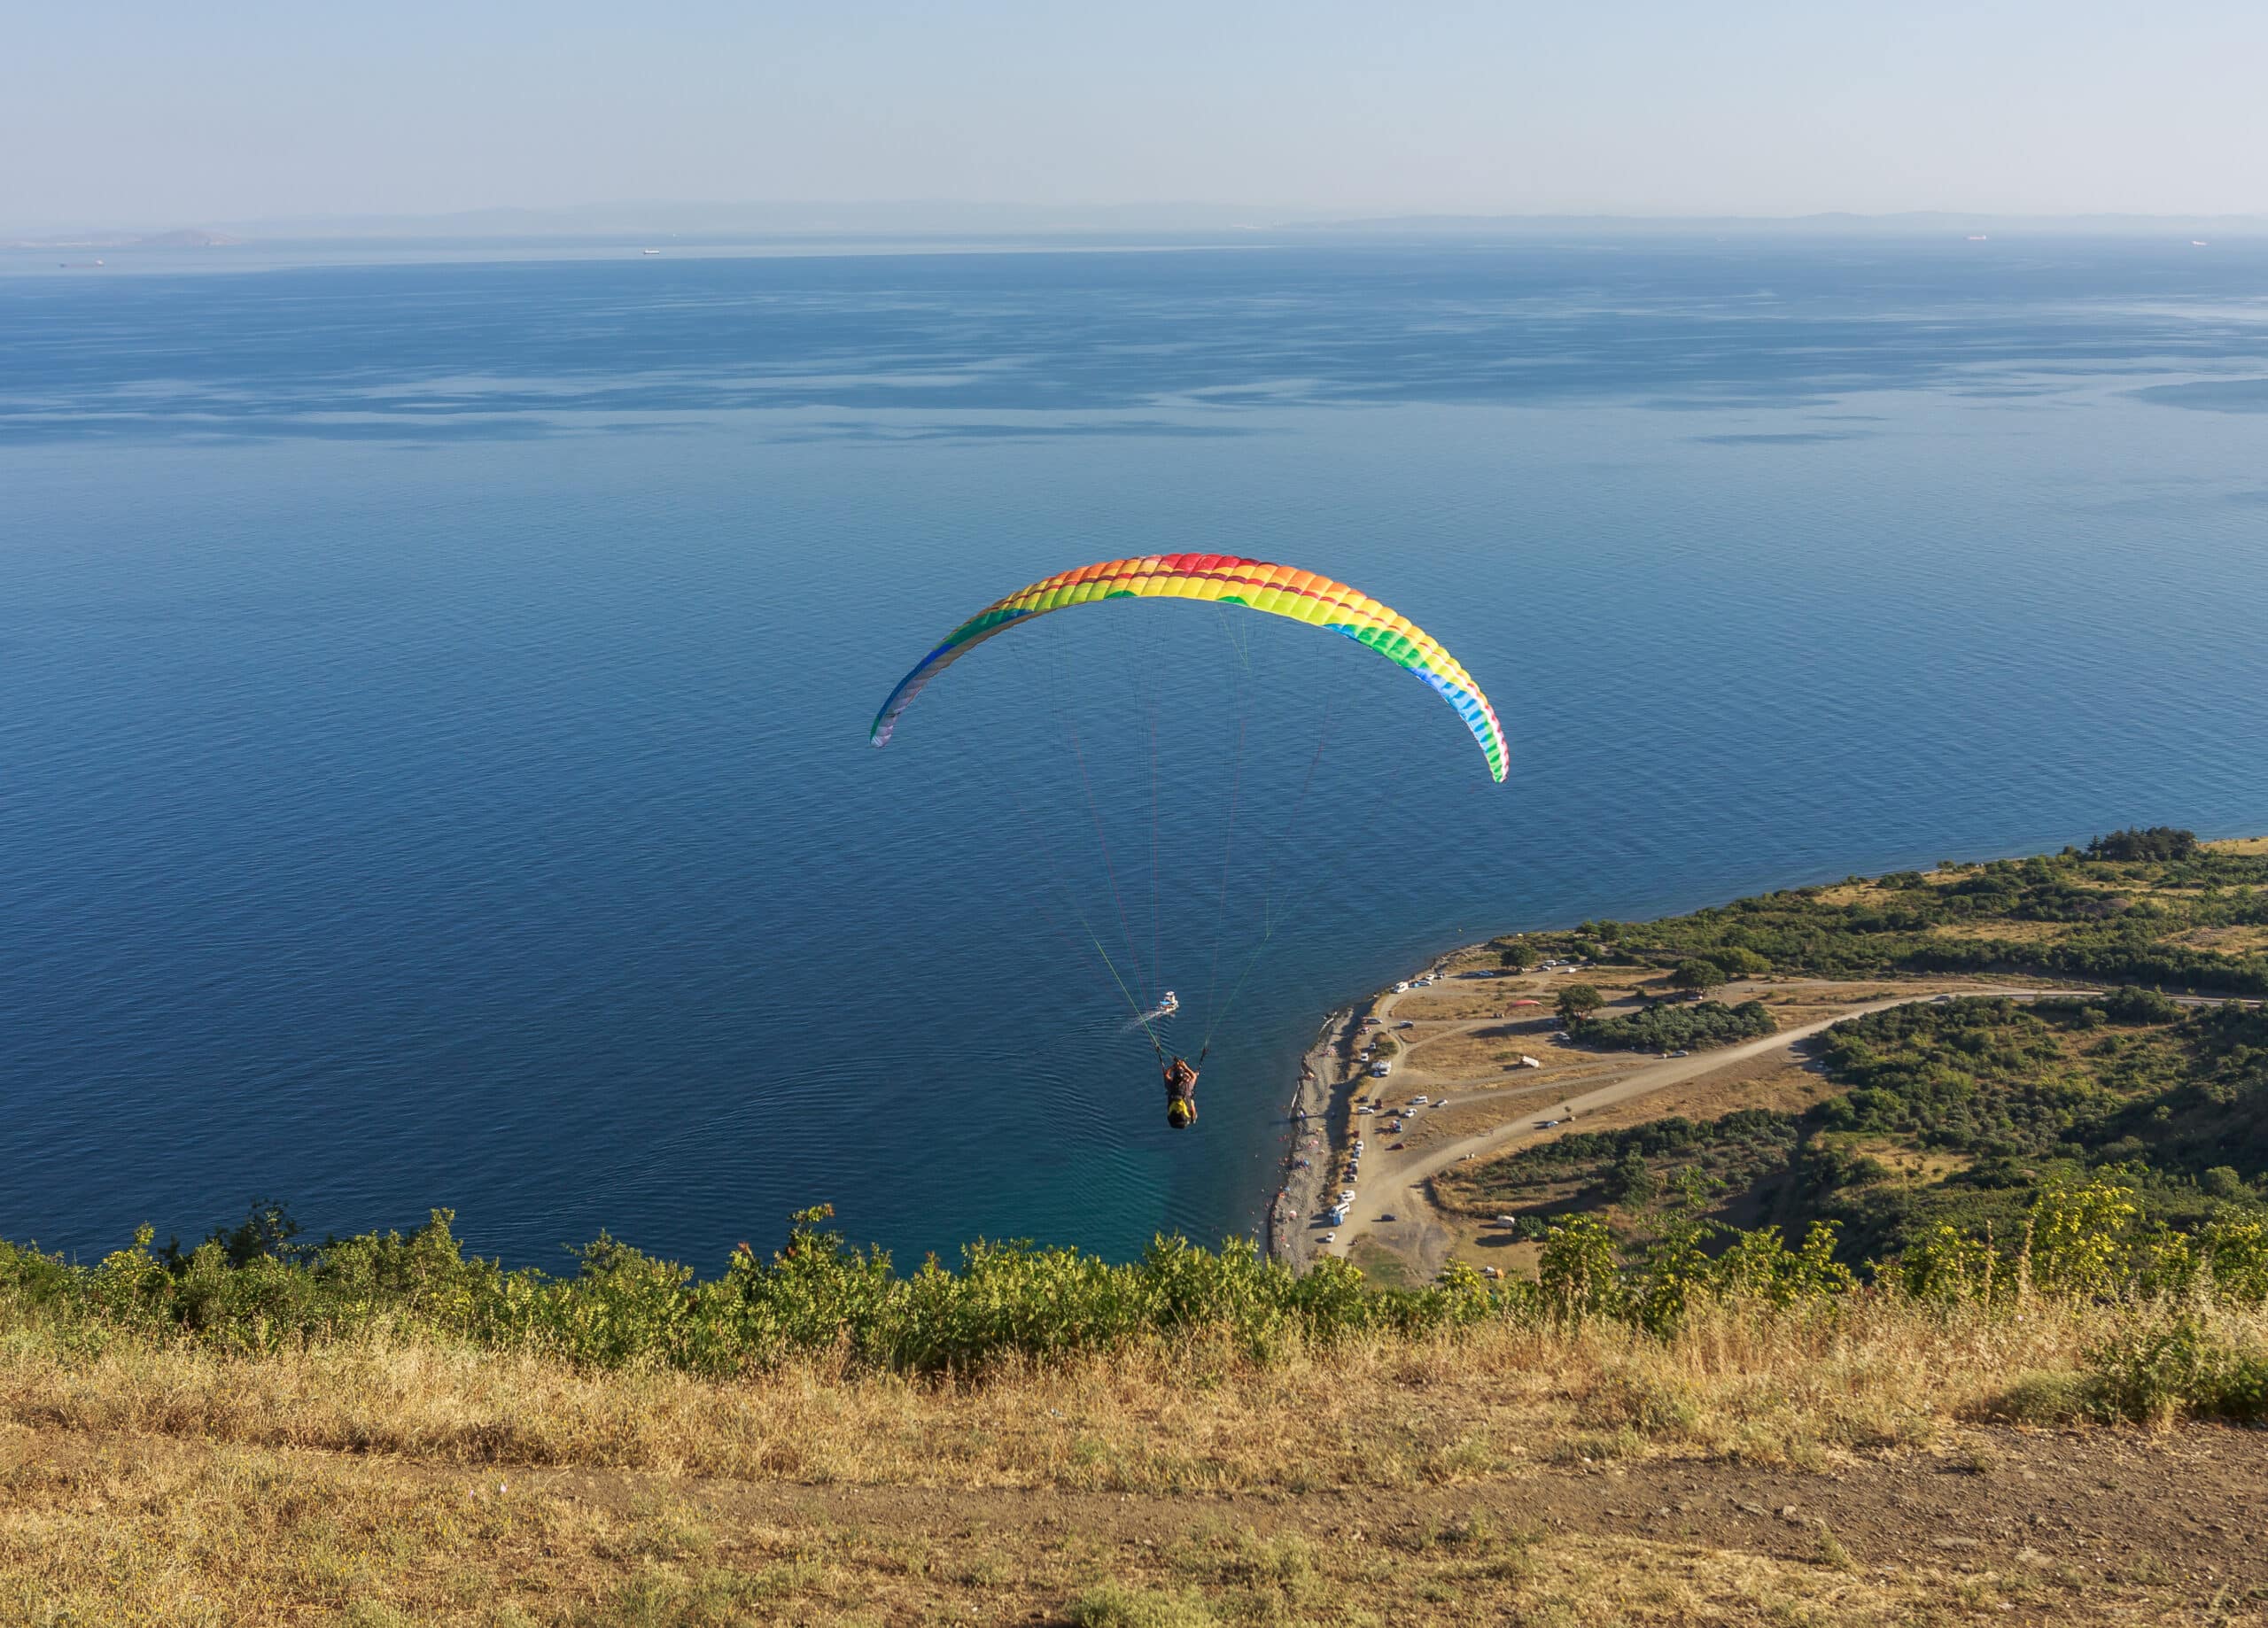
1181 1093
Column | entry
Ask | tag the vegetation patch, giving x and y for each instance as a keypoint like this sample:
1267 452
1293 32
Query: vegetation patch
1631 1168
1679 1026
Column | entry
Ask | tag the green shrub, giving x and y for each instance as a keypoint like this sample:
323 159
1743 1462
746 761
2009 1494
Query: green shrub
1681 1028
2154 1370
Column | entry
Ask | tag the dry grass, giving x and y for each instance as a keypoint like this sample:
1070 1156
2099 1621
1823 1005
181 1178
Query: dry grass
238 1538
2002 931
2238 941
375 1487
1783 1391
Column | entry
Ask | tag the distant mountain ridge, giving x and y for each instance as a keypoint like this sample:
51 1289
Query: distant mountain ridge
185 237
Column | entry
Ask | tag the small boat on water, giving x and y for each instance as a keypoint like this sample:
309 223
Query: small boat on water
1168 1003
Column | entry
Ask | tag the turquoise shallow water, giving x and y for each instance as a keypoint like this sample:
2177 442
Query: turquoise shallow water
434 770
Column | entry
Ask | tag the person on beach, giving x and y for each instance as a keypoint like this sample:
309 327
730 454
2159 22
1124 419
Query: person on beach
1181 1093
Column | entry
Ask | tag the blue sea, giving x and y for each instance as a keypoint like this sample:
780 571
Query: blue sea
433 757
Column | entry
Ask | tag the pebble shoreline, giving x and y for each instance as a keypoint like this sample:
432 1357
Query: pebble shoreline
1290 1238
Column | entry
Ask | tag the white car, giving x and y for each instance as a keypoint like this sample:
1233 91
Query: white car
1366 1108
1402 989
1379 1071
1346 1194
1420 1100
1331 1238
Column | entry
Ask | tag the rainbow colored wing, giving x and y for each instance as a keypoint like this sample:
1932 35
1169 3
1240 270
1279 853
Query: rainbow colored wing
1279 590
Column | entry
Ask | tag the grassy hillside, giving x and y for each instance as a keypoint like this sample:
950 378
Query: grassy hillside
1962 1110
2155 909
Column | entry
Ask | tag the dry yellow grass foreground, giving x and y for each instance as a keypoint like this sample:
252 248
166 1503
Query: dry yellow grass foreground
221 1538
1387 1413
169 1485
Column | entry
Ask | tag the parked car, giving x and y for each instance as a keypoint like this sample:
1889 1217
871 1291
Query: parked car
1379 1071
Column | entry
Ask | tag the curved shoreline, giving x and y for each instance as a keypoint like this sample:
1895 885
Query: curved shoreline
1308 1162
1322 1114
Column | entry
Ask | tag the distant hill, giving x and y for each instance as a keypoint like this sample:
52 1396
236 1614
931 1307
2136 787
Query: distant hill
1829 224
182 238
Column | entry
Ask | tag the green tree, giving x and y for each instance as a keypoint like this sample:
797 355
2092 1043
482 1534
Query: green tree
2157 842
1697 975
1738 962
1632 1179
1577 1001
1513 956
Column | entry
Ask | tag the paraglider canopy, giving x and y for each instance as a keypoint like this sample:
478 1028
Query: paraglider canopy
1227 579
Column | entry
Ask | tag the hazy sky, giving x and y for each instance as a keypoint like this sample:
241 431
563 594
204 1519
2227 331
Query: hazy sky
137 112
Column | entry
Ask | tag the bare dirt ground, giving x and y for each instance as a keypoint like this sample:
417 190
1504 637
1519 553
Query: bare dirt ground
2015 1526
